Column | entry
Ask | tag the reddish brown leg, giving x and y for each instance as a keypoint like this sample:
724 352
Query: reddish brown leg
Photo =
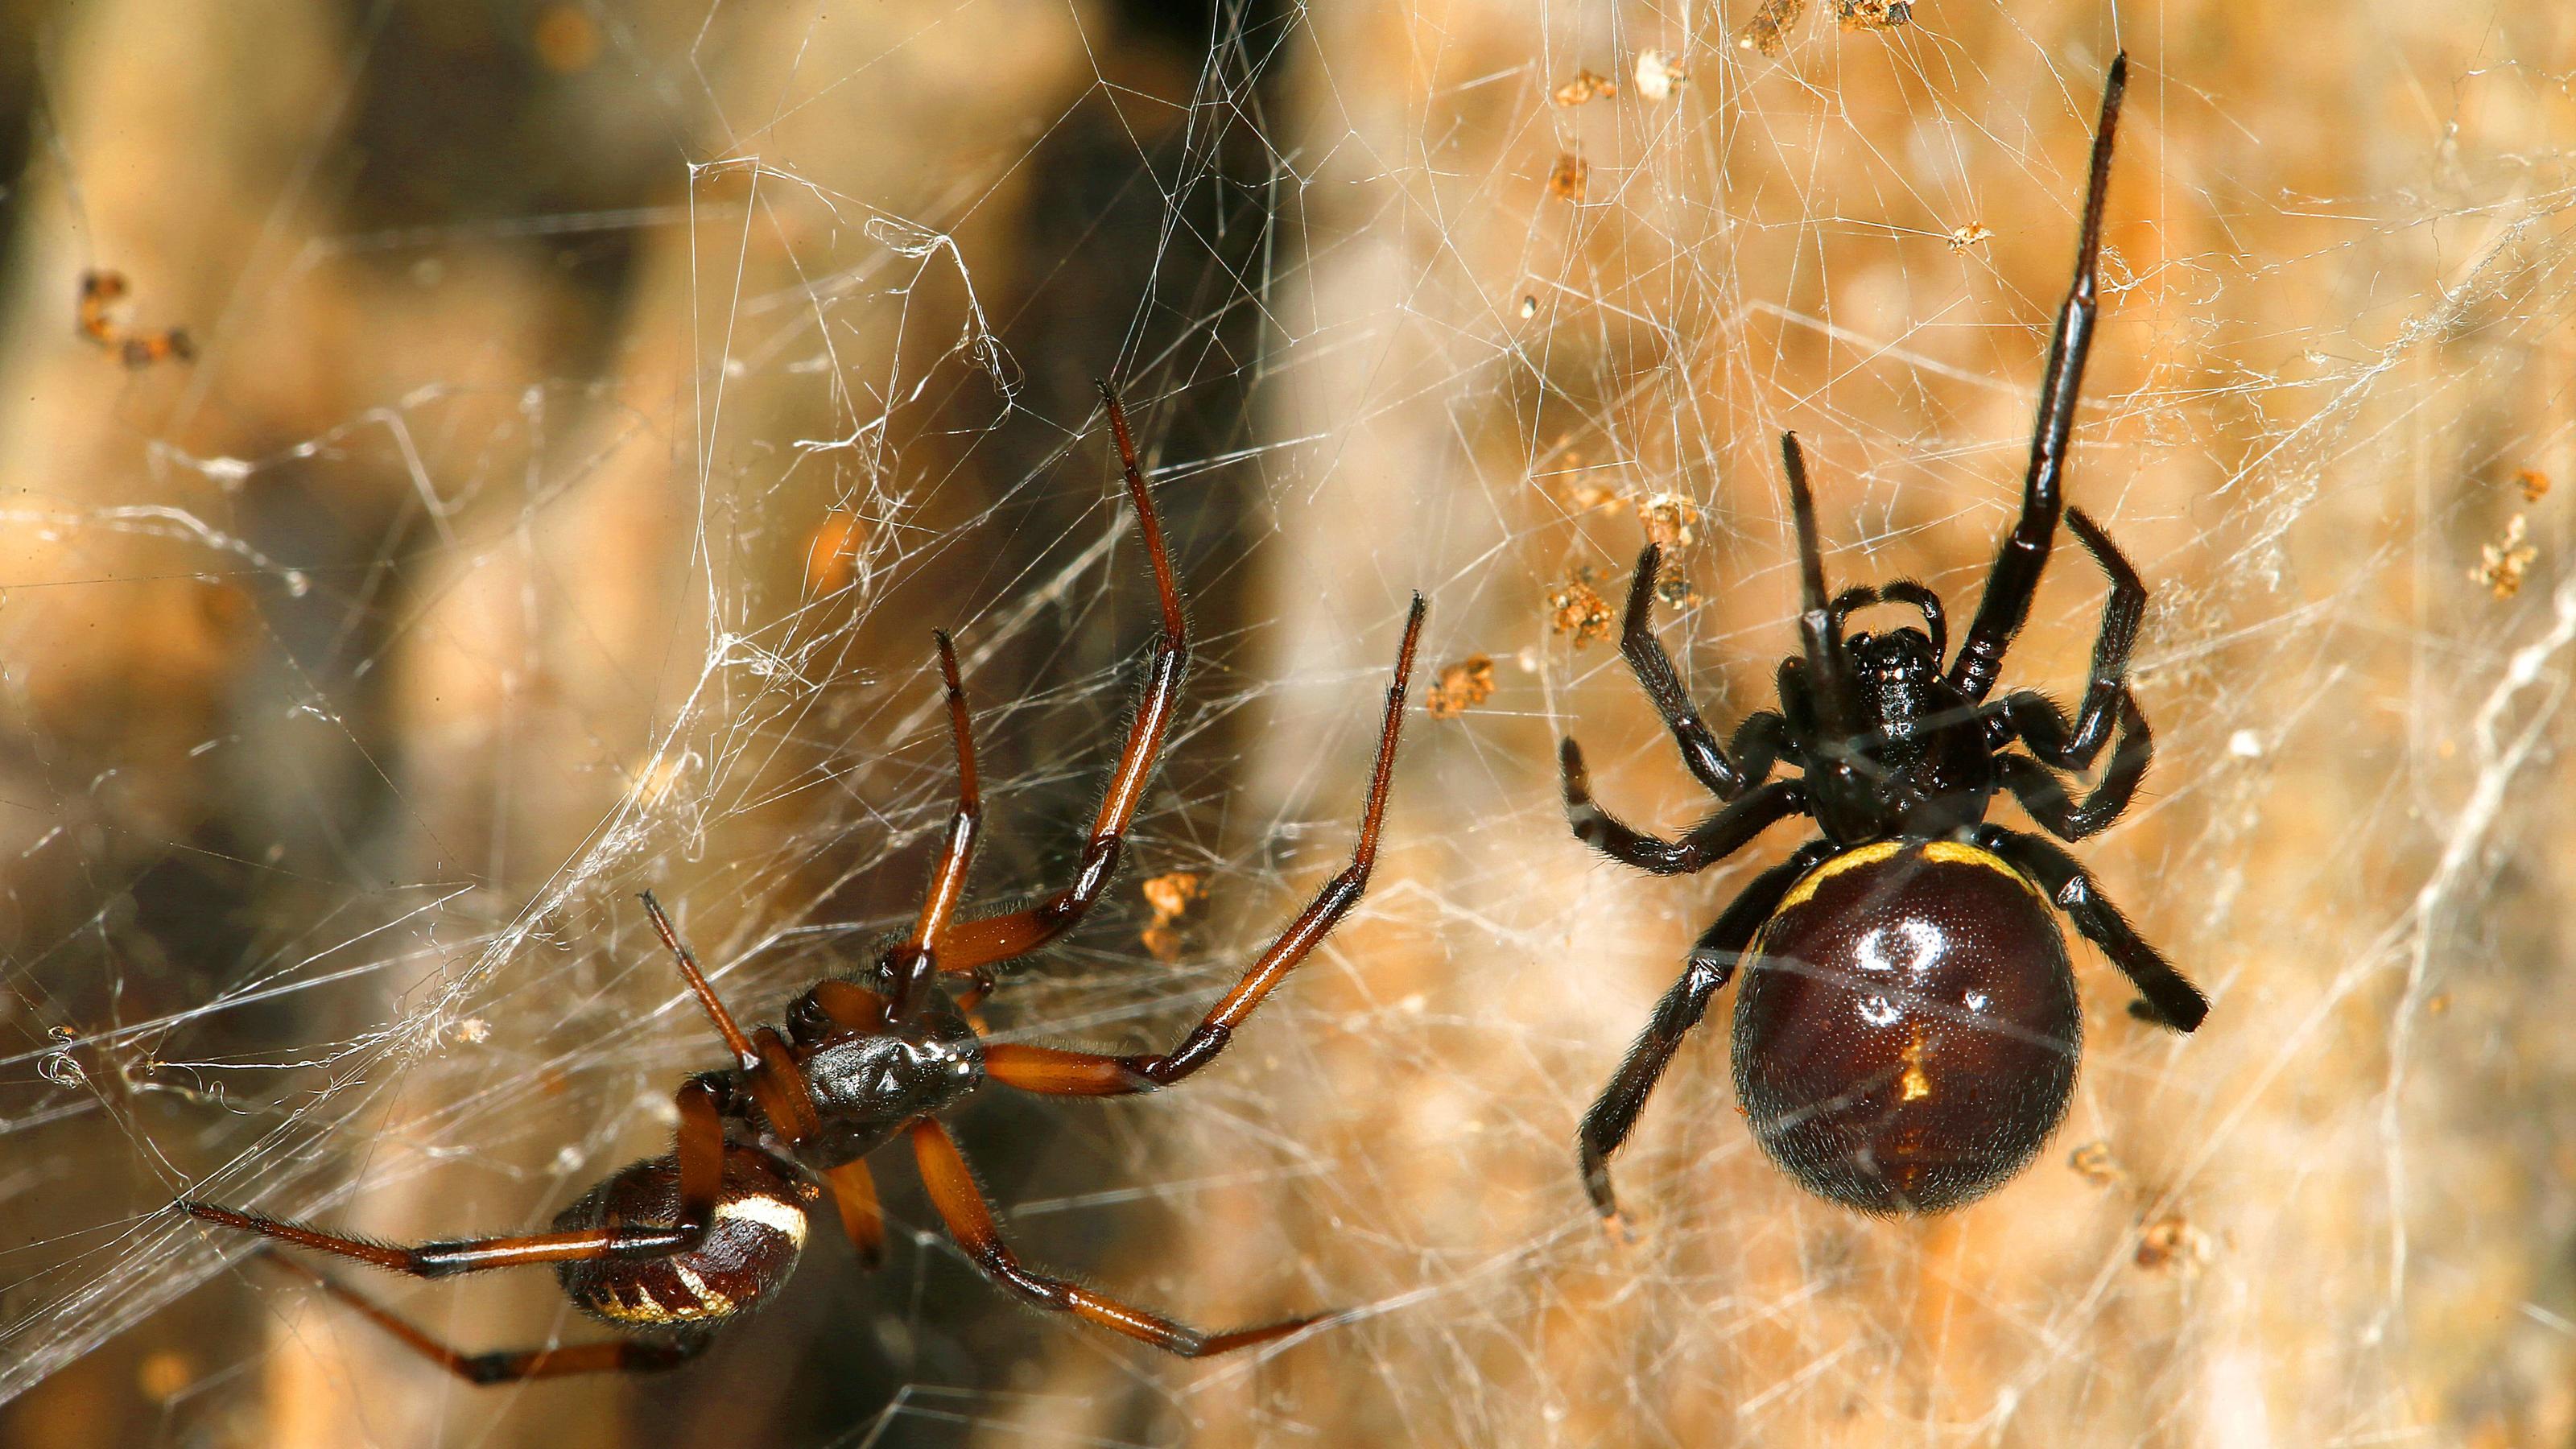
970 1221
1054 1072
914 965
706 994
854 1191
851 1007
780 1089
701 1154
976 945
1087 1074
509 1366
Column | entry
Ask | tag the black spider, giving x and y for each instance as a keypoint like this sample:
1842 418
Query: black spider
1908 1030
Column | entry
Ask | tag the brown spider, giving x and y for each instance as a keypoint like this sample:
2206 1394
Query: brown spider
670 1248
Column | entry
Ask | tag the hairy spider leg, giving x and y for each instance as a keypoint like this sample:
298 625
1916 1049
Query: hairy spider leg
2170 999
744 1053
1722 834
1921 597
975 946
699 1147
915 965
766 1062
1710 965
1765 738
969 1219
1849 602
2037 721
854 1192
1820 634
1055 1072
614 1355
1758 742
2109 711
2045 797
2014 578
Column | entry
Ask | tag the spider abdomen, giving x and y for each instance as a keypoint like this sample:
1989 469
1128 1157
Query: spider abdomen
1907 1030
750 1247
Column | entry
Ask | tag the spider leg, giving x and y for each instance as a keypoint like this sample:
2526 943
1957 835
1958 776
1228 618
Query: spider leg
2170 999
2044 795
915 964
1757 740
2036 721
768 1067
969 1218
701 1154
1935 623
1829 686
743 1051
1090 1074
2015 575
850 1006
971 946
854 1192
1849 602
1711 965
618 1355
1707 843
1797 712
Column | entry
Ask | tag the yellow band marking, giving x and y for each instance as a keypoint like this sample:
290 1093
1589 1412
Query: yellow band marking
1938 852
1853 858
1960 852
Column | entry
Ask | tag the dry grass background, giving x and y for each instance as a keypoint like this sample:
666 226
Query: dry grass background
505 606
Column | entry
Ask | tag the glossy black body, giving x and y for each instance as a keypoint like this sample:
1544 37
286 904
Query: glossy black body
1907 1030
865 1084
1908 1033
1921 765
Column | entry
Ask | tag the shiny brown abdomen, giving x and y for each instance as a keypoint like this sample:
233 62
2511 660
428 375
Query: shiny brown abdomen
750 1247
1906 1031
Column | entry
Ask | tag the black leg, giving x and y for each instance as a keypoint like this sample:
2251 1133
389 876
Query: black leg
1851 601
2037 722
1797 712
1710 965
1707 843
1935 622
2015 576
2044 795
2170 999
1757 743
1829 688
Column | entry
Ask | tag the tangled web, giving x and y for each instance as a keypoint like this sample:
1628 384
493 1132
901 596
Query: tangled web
572 464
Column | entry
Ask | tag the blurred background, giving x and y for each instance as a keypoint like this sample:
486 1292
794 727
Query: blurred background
579 414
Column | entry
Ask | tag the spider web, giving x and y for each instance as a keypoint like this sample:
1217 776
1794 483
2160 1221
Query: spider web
597 405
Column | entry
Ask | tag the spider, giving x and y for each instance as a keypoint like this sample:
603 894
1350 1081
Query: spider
671 1248
1908 1029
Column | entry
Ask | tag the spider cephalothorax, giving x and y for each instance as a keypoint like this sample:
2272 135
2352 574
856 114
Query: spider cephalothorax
672 1247
1907 1034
